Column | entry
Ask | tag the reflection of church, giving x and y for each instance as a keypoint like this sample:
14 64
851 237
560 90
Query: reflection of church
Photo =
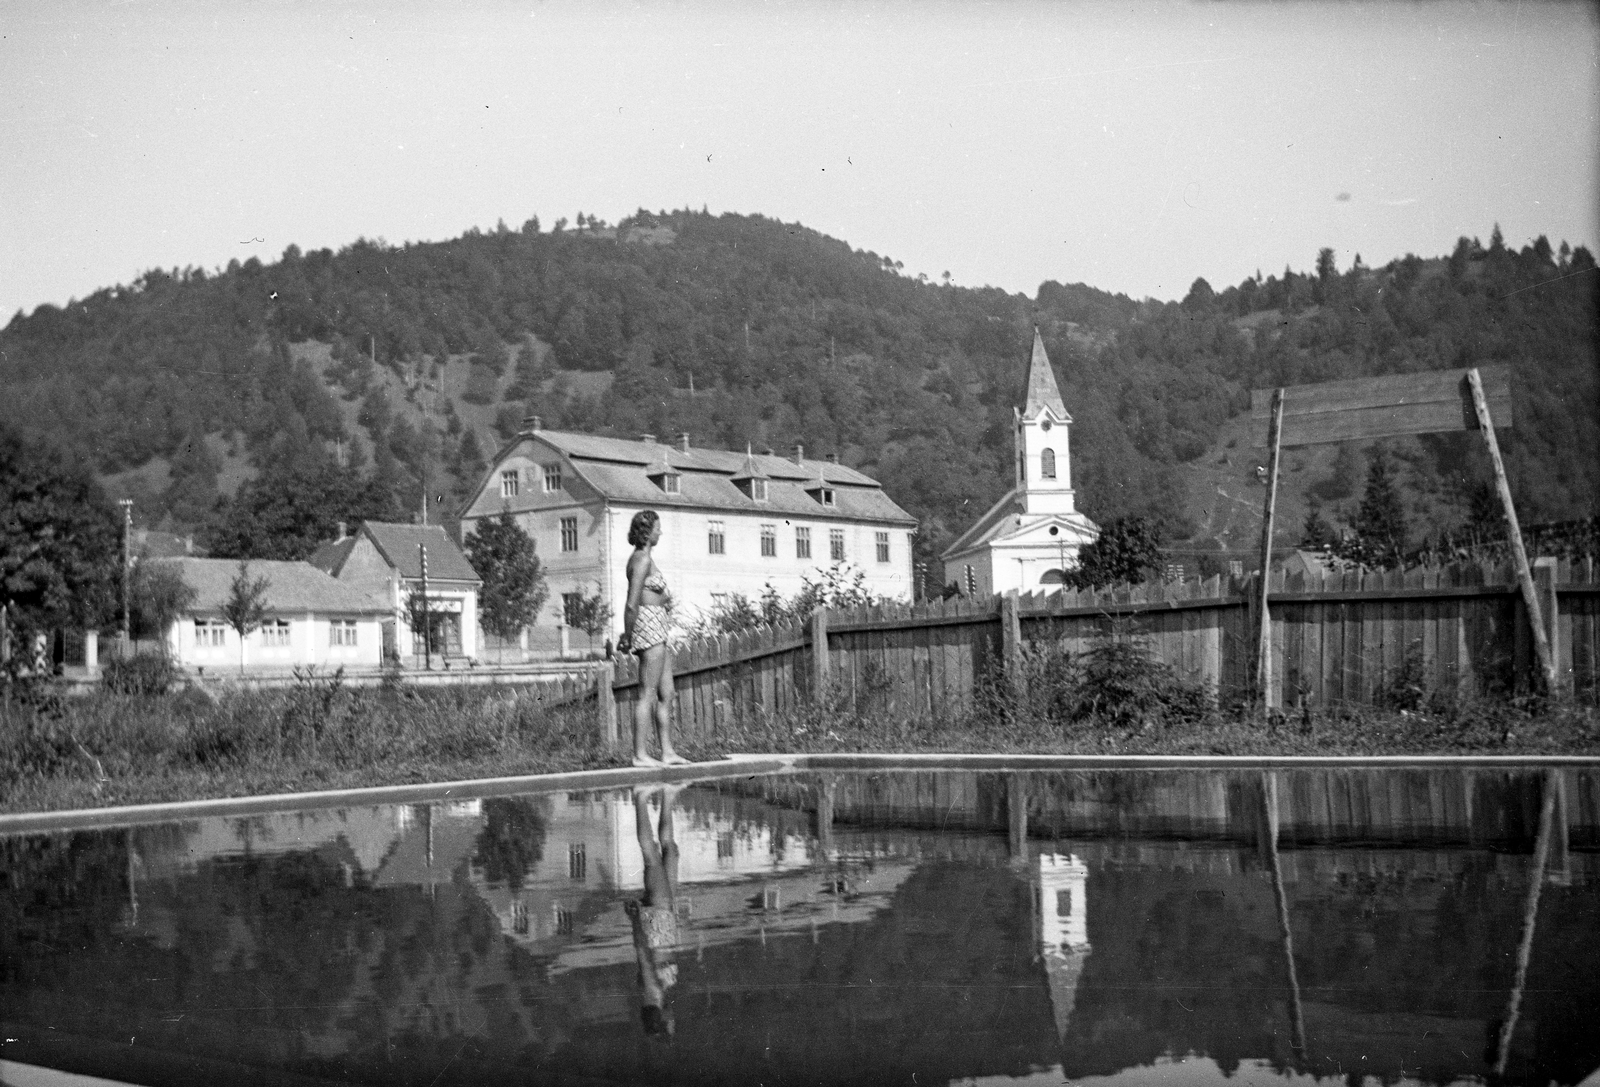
1063 890
1031 537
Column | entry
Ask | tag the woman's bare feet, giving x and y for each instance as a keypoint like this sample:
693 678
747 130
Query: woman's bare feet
672 758
644 761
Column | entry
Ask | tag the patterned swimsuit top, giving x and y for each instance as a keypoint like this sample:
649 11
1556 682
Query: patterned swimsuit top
656 583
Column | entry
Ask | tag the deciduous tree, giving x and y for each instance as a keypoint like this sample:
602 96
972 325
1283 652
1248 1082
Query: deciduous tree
514 586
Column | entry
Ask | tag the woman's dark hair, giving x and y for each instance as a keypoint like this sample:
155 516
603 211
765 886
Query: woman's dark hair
643 522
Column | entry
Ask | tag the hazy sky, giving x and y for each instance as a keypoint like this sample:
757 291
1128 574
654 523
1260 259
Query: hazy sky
1131 146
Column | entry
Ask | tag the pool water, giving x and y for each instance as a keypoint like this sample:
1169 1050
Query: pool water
1424 926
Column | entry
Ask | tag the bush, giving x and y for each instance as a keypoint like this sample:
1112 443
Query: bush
143 674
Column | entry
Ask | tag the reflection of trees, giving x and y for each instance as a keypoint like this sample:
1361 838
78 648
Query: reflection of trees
512 840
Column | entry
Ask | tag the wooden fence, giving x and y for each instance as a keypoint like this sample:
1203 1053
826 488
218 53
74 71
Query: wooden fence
1341 638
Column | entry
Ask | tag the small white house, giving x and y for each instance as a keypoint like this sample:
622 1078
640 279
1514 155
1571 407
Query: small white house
312 619
384 560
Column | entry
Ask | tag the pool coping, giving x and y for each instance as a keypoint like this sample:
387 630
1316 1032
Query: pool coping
739 765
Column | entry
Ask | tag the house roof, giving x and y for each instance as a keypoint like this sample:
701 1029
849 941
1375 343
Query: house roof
329 557
1042 389
619 470
292 587
398 544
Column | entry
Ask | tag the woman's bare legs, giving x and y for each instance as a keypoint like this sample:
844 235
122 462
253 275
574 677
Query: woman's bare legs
664 693
652 662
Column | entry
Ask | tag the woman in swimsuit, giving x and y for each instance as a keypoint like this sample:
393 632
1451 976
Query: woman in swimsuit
645 626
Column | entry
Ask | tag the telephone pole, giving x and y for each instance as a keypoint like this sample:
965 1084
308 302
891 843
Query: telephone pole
127 567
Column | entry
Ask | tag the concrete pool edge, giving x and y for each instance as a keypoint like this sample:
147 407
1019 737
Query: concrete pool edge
736 766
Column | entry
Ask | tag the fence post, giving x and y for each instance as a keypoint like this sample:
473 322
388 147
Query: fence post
1544 583
1011 641
606 703
91 652
819 653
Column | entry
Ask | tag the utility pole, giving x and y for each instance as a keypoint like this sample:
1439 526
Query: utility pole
127 567
427 633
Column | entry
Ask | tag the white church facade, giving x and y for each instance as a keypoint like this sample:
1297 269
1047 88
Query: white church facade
1030 538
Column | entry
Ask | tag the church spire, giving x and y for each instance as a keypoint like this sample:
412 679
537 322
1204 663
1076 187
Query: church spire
1042 389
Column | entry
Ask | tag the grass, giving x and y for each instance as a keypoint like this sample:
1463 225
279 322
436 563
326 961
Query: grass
111 747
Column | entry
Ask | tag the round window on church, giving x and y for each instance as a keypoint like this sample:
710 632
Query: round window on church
1045 425
1055 530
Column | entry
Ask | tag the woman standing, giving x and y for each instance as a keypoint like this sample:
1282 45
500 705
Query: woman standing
646 622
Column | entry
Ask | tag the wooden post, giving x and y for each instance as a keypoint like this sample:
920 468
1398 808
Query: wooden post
1530 914
1263 618
1544 582
606 703
1011 641
1297 1020
819 653
1530 596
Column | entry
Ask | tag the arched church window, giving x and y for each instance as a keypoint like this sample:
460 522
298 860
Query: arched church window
1047 464
1053 577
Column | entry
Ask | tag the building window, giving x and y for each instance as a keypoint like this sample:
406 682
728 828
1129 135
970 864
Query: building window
342 632
825 495
569 534
668 482
769 541
972 581
570 603
1047 464
210 633
758 490
883 547
716 538
519 917
552 478
802 542
577 861
564 920
836 544
725 847
275 634
508 484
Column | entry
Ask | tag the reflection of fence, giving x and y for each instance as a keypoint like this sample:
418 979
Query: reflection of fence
1351 637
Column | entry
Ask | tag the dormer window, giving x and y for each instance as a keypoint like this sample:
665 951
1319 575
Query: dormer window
825 495
664 477
758 490
669 482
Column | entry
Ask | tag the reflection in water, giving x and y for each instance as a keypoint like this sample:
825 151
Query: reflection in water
1308 925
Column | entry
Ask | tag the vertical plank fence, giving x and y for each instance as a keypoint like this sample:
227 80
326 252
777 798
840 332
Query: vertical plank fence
1350 637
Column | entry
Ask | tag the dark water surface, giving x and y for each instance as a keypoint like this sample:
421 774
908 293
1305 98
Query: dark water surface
1428 926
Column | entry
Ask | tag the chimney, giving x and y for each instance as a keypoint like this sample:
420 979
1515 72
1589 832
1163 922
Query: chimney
766 451
799 453
683 441
188 545
532 423
344 530
833 458
648 439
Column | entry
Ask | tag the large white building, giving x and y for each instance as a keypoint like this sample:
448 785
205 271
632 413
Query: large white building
1031 537
730 522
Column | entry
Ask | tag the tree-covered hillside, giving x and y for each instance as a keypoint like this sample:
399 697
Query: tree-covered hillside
388 366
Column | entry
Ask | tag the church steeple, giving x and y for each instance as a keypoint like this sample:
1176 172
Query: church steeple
1042 389
1044 465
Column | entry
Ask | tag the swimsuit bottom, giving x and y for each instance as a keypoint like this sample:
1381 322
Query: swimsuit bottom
650 627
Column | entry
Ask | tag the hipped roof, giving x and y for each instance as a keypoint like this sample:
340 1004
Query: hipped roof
293 588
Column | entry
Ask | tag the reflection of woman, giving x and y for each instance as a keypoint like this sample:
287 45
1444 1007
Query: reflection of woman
655 914
646 621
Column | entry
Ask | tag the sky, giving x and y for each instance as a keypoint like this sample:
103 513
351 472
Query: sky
1131 146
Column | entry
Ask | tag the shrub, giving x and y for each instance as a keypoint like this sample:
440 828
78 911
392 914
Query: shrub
146 674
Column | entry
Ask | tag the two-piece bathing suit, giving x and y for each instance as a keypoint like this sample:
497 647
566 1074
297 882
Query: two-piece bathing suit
653 622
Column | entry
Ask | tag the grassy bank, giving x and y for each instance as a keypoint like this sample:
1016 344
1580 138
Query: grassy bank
108 748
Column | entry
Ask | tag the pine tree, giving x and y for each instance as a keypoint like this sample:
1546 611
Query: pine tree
1380 522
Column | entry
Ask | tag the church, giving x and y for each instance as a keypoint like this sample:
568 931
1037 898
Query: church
1031 537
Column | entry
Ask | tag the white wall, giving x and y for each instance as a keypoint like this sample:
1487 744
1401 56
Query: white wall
308 644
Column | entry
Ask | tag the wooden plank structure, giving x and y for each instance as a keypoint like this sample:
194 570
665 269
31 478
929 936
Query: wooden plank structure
1350 637
1362 408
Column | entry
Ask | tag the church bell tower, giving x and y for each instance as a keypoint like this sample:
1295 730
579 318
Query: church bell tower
1043 457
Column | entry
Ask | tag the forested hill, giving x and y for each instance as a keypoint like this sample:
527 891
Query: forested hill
380 364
